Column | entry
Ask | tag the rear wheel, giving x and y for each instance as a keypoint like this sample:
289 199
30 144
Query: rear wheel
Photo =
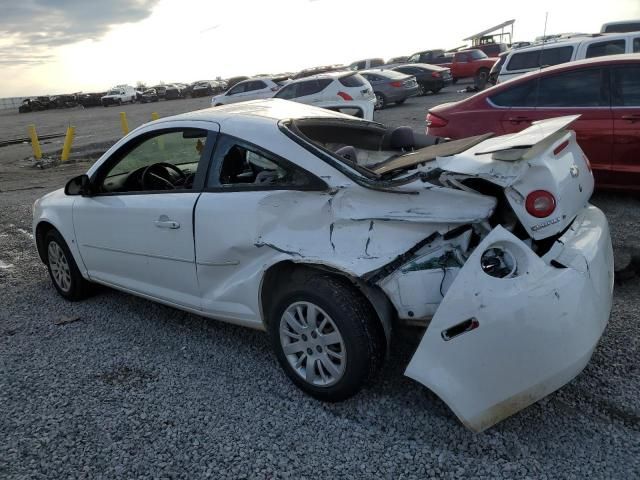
436 90
481 78
64 272
422 90
381 101
326 336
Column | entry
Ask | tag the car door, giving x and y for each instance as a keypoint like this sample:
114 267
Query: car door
257 89
237 93
625 89
583 92
135 231
250 193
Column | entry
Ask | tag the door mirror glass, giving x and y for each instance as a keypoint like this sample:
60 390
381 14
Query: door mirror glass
80 185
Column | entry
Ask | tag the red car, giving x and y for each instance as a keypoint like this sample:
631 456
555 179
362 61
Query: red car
605 91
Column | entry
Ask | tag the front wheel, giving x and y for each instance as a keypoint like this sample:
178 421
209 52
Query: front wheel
327 337
381 102
64 272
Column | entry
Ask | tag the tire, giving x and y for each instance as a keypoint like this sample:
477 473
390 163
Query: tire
381 101
63 269
400 102
345 318
436 90
422 90
119 102
454 81
481 78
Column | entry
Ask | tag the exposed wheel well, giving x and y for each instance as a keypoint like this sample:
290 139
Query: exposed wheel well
41 231
287 271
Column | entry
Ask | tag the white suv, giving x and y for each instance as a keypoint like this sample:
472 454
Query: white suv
523 60
346 92
252 89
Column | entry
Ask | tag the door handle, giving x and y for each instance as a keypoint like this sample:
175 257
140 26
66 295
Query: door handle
167 224
634 117
515 120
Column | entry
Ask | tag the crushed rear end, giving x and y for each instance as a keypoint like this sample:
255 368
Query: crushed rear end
515 305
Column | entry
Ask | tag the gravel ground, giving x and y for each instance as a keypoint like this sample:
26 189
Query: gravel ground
136 389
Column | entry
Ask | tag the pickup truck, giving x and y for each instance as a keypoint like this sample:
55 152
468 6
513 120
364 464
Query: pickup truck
470 64
465 64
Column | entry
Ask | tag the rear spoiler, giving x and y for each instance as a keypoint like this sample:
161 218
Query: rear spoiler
514 147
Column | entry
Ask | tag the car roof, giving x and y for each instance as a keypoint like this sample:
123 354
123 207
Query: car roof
271 110
573 41
603 60
331 75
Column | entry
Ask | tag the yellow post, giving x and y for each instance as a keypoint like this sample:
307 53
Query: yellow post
68 140
154 116
123 123
35 144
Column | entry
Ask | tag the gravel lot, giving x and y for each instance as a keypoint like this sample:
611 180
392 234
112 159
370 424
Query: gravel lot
138 390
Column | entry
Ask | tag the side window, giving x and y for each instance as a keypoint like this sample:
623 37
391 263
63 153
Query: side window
413 58
288 92
243 165
579 88
540 57
239 88
312 87
521 95
167 161
361 65
460 57
256 85
612 47
636 45
626 86
376 62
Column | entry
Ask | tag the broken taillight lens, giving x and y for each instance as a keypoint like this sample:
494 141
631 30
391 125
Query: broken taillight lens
436 121
540 203
345 96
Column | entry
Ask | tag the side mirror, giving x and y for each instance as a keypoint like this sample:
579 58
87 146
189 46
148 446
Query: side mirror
80 185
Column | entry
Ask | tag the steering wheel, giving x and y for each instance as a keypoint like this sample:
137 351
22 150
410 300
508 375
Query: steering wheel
158 172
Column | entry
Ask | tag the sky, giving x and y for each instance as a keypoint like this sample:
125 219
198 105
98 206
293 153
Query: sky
64 46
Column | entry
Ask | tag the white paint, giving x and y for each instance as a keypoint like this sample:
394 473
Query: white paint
536 330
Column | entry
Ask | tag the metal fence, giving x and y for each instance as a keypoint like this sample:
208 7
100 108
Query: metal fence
10 103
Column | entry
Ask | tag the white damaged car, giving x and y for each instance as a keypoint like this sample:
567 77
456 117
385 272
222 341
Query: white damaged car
327 231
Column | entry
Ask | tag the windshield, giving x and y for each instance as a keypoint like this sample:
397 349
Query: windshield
114 92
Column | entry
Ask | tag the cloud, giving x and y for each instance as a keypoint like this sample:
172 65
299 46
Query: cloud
36 26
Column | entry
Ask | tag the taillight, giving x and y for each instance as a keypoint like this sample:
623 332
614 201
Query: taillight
436 74
540 203
396 84
345 96
436 121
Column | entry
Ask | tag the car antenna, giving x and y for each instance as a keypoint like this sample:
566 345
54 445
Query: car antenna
544 35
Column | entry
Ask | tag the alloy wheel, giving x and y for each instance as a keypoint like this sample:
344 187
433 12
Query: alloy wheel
312 344
59 266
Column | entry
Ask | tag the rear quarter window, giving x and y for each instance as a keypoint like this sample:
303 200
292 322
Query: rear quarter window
521 95
611 47
352 81
626 86
636 45
538 58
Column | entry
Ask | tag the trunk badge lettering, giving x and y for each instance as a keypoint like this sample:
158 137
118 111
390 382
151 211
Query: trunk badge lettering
535 228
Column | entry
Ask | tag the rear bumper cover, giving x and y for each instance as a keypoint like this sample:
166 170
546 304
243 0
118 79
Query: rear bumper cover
535 332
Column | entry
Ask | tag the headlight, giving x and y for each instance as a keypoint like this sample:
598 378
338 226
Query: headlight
499 263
